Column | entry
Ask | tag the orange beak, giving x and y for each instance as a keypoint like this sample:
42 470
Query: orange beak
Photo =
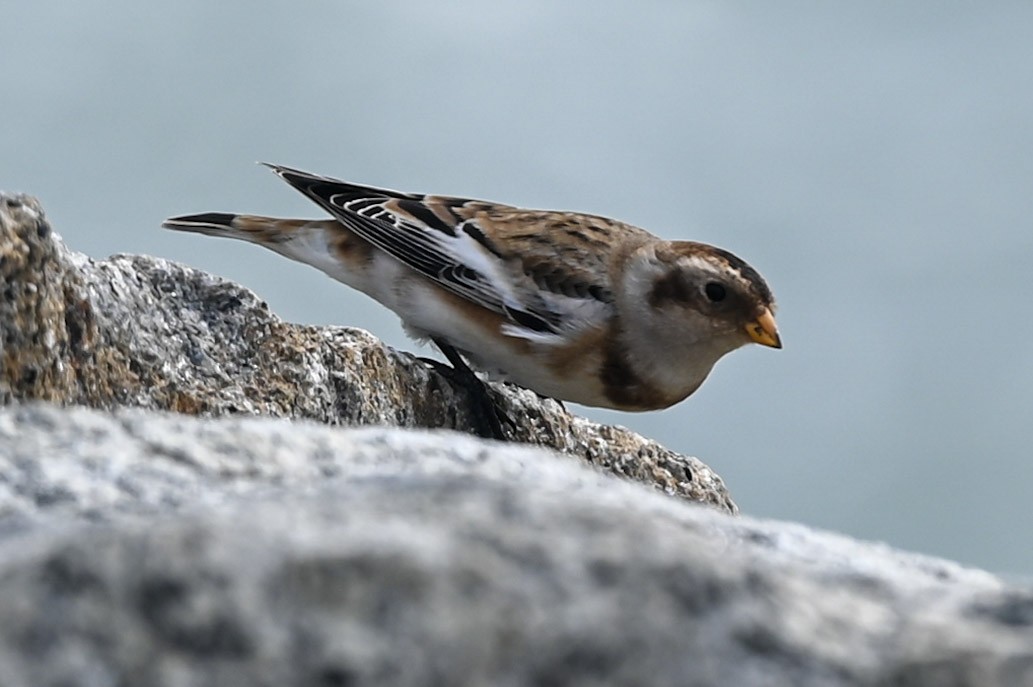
764 331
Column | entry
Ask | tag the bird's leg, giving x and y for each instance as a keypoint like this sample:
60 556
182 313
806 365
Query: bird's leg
487 416
446 371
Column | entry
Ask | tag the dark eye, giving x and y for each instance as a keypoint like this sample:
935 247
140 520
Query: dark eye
715 291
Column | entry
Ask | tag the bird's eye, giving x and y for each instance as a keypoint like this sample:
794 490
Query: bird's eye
715 292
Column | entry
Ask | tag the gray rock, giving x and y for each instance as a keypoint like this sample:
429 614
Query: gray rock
144 332
150 549
142 545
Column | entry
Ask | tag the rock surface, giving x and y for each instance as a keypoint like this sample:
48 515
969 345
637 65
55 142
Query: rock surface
141 547
147 549
144 332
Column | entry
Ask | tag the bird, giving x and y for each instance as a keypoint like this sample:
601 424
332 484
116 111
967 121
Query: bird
573 306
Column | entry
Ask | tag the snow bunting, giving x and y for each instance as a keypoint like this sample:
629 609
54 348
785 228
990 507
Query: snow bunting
573 306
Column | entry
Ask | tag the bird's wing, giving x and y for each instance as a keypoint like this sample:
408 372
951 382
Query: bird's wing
548 273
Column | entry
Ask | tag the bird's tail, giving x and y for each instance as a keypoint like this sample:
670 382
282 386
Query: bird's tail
322 243
266 231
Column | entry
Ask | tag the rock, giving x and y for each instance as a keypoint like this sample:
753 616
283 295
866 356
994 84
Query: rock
207 521
149 549
144 332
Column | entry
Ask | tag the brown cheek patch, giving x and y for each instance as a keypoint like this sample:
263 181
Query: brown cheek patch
671 288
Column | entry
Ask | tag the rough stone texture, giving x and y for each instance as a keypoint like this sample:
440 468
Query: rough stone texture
141 548
147 549
144 332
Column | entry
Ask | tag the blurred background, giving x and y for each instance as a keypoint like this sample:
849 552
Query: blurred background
873 160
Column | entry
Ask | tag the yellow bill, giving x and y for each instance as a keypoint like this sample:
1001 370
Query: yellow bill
764 331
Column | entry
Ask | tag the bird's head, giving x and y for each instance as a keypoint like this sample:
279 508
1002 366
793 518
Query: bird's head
714 294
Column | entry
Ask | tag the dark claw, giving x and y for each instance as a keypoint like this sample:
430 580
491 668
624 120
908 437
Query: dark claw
488 418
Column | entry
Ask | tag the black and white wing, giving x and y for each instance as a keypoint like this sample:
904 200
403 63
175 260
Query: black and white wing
490 254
